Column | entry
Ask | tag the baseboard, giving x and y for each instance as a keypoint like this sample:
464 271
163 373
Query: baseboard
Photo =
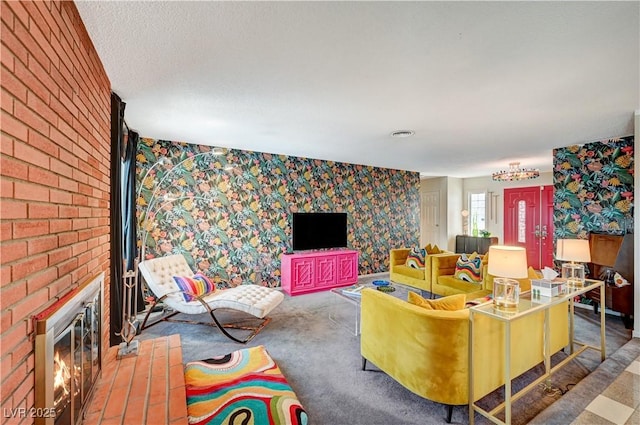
374 275
590 307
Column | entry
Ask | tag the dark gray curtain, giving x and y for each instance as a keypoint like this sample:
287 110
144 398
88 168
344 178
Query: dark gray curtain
124 144
129 221
129 228
117 121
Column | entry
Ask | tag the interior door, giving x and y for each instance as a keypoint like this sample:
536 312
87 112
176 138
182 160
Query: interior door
546 227
528 222
429 218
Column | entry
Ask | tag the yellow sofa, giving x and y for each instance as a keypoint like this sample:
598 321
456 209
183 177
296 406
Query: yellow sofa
427 351
416 278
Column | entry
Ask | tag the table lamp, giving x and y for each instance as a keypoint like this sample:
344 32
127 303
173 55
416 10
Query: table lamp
507 263
575 251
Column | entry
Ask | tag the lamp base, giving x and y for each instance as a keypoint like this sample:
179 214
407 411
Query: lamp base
574 274
506 293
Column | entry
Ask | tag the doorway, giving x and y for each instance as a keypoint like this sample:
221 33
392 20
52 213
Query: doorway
528 222
430 218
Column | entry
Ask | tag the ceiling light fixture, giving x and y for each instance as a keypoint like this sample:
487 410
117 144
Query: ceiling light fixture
403 133
516 173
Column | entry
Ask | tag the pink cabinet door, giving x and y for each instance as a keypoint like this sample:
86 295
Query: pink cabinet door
347 268
326 271
303 271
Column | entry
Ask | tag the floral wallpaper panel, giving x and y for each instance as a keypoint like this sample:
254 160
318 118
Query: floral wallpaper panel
230 214
593 188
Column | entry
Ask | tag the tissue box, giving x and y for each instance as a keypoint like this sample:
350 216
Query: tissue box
548 288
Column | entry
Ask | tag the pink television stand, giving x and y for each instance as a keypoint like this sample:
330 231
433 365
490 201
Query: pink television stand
312 271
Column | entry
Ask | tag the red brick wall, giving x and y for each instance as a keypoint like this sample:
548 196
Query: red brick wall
55 168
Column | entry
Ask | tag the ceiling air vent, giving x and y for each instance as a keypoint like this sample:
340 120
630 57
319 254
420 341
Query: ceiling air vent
403 133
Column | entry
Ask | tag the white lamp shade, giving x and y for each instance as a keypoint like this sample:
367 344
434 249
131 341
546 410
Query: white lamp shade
508 261
573 250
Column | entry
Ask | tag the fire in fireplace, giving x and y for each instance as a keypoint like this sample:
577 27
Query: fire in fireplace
68 352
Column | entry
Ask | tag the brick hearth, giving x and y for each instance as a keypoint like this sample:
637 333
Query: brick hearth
147 388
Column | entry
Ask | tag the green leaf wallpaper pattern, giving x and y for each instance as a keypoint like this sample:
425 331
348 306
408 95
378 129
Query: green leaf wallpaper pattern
235 224
594 188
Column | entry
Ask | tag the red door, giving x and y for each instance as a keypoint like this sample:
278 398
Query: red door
528 222
546 227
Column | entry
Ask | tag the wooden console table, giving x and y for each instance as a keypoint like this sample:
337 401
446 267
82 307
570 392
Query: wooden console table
526 306
470 244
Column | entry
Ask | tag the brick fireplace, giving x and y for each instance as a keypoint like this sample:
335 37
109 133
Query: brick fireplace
68 354
78 381
55 181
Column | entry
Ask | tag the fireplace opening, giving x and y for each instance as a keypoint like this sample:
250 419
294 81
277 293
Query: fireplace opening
62 377
68 347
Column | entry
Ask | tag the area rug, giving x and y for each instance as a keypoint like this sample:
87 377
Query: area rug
243 387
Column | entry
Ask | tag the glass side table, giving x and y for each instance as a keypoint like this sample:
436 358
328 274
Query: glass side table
525 307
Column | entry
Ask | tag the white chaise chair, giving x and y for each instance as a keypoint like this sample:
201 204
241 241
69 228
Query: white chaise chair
255 300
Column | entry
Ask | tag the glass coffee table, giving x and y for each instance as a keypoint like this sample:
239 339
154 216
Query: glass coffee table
354 298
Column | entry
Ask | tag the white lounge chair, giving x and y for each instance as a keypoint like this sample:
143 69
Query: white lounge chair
255 300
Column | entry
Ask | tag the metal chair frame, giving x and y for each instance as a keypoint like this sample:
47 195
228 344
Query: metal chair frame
216 323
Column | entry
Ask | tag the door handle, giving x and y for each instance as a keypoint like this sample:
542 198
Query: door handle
536 232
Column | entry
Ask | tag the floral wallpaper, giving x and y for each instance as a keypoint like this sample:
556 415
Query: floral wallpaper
230 214
593 188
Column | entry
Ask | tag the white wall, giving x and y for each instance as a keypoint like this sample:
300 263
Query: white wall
455 206
486 184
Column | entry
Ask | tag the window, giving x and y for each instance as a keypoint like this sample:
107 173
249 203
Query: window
522 222
477 212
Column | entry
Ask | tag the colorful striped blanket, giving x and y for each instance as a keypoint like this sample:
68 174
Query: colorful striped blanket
243 387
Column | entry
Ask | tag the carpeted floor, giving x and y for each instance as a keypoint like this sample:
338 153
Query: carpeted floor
311 337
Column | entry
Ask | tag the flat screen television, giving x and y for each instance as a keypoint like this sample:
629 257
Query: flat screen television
319 230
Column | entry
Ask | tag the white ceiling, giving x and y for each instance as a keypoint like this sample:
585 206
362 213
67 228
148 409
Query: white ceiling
482 84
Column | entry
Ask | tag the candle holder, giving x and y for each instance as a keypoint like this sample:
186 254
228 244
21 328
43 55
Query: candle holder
465 222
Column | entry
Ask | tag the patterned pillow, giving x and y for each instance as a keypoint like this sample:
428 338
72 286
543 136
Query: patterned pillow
469 268
415 259
197 285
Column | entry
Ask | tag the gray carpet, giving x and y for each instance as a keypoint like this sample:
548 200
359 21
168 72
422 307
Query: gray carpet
311 337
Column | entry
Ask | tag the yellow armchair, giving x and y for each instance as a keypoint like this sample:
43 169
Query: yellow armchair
416 278
443 280
427 351
398 272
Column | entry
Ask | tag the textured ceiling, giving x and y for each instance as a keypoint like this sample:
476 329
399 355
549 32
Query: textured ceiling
482 84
